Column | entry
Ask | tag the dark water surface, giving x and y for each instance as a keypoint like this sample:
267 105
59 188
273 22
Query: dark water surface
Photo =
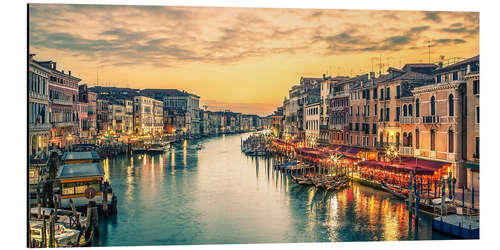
218 195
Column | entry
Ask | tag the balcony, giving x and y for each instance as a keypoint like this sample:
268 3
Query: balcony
384 145
33 127
430 119
323 127
432 154
62 102
406 150
337 126
63 124
407 120
38 96
452 157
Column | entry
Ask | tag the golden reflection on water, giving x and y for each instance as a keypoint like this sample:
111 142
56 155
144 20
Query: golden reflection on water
105 164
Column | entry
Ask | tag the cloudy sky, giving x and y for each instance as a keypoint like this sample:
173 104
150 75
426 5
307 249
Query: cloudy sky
243 59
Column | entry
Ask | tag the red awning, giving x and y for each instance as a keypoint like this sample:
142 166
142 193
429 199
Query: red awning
425 164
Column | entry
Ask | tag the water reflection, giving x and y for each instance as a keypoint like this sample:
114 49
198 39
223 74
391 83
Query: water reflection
222 196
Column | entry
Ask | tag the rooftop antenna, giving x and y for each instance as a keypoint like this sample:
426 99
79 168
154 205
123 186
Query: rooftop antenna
429 46
380 65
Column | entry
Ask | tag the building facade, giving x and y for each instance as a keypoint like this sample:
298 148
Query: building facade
38 109
63 92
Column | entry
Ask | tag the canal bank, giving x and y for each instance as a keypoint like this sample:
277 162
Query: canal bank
218 195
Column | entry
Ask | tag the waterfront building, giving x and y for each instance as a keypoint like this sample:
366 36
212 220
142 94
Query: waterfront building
157 117
359 112
312 120
339 111
143 115
442 118
177 99
102 116
38 108
63 93
471 152
92 114
277 122
82 116
116 115
395 101
38 121
293 112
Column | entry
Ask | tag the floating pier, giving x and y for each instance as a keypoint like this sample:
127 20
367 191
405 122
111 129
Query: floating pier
457 225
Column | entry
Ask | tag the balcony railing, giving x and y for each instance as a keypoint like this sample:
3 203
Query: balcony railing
407 120
63 124
430 119
406 150
38 95
384 145
39 126
323 127
62 102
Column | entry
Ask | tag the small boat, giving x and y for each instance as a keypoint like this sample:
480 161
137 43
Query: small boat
63 216
398 192
199 147
63 235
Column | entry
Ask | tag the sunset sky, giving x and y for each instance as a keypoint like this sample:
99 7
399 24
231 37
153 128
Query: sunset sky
243 59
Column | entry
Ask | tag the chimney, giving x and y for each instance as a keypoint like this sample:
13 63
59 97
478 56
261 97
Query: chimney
440 64
468 68
69 72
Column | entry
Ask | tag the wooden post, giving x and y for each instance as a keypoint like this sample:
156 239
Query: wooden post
95 219
39 210
105 199
88 223
44 231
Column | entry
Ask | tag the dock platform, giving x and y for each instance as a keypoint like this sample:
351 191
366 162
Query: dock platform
457 225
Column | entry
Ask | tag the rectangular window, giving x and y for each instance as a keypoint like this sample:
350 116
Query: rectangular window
438 79
368 110
375 93
381 94
455 75
433 139
477 114
381 114
451 143
387 114
417 139
388 93
398 111
475 87
398 92
477 147
375 110
374 129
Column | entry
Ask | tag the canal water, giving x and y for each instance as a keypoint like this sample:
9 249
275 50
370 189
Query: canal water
218 195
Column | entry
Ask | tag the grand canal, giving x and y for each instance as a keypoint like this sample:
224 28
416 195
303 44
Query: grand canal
218 195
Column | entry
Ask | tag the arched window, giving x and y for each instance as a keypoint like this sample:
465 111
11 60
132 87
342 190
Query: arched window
410 110
381 137
433 139
410 140
433 106
451 106
405 112
405 139
417 108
